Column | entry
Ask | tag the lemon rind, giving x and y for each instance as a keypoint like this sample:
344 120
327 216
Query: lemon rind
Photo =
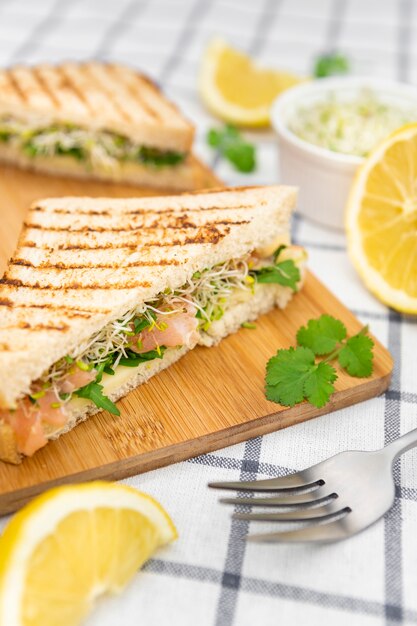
38 519
395 298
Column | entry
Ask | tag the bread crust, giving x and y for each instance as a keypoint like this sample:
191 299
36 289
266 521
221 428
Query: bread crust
186 176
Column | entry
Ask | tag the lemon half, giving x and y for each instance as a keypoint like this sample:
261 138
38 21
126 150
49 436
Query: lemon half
381 220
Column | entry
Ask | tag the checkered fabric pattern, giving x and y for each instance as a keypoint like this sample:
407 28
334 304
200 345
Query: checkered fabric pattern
210 577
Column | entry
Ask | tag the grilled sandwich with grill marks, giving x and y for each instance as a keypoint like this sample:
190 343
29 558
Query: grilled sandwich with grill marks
101 294
95 120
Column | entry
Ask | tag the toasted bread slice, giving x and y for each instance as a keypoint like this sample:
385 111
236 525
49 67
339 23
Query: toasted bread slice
94 120
83 262
96 96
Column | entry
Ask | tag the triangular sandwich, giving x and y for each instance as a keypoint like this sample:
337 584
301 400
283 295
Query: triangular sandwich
102 294
95 120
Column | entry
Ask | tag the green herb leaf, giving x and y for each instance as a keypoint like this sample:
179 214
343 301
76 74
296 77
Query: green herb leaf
77 152
285 273
293 375
100 369
134 359
94 392
278 251
5 135
230 144
30 149
214 137
249 325
159 158
331 65
322 335
242 156
286 373
356 356
318 385
140 323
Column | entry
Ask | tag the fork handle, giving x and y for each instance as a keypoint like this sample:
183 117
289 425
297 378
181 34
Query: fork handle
402 444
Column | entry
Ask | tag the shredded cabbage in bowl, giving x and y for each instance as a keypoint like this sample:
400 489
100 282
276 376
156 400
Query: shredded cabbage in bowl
349 126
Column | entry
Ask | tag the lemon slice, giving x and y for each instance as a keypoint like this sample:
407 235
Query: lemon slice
381 220
233 87
73 544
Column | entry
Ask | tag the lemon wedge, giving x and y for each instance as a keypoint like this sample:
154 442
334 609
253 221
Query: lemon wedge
381 220
236 89
73 544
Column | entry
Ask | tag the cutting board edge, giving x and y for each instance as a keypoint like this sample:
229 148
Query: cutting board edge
118 470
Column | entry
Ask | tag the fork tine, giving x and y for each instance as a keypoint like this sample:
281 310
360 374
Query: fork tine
298 480
321 514
319 533
306 500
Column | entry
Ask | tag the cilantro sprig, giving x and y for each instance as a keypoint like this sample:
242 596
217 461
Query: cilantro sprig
331 64
233 147
298 374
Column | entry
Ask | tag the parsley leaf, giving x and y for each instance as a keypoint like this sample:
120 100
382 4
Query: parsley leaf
242 155
322 335
331 64
318 386
94 392
286 373
230 144
356 356
294 375
218 136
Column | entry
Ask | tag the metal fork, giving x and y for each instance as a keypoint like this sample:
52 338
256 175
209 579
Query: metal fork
336 498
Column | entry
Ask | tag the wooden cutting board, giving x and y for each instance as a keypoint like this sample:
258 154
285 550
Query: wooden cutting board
210 399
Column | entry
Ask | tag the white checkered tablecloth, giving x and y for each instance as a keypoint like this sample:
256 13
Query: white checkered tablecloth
210 577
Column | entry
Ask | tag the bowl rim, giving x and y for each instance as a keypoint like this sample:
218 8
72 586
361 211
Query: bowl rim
324 85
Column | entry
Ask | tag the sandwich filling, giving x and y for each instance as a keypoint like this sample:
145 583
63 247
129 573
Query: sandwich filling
173 319
96 148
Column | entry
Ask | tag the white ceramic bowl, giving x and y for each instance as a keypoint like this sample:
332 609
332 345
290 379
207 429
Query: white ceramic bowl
325 177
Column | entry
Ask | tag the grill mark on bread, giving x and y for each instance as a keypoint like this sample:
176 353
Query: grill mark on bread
38 327
75 266
67 82
223 190
206 235
45 87
134 93
69 311
182 222
101 87
68 211
142 78
14 83
79 211
17 282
